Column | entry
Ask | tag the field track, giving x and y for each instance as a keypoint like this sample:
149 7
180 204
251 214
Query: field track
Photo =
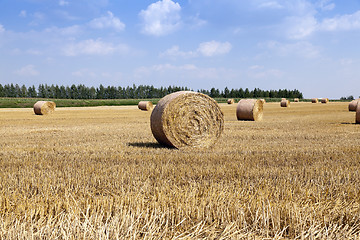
97 172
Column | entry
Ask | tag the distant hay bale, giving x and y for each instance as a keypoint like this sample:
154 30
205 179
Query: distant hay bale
145 105
285 103
44 107
249 109
324 100
357 116
187 119
230 101
314 100
282 99
353 104
296 100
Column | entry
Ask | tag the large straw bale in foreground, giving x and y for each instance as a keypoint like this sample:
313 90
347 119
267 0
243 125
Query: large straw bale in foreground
285 103
187 119
44 107
145 105
230 101
324 100
250 109
314 100
353 104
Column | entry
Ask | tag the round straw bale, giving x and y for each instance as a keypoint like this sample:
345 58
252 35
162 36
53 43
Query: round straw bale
263 100
324 100
353 104
187 119
296 100
357 116
282 99
230 101
145 105
44 107
314 100
285 103
249 109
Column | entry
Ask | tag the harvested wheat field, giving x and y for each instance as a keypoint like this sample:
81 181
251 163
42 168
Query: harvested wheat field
98 173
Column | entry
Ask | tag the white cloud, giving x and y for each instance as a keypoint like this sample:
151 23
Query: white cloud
28 70
207 49
325 5
23 13
63 3
38 18
196 21
259 72
161 18
2 29
94 47
214 48
300 49
344 22
108 21
271 4
301 27
67 31
85 72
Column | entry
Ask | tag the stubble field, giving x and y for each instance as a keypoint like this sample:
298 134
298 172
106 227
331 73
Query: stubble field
98 173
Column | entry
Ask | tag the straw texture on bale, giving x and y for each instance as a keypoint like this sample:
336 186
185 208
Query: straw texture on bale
296 100
314 100
263 100
285 103
357 116
249 109
353 104
145 105
231 101
44 107
187 119
324 100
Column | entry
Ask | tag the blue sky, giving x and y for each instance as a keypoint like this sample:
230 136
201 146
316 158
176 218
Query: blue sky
312 46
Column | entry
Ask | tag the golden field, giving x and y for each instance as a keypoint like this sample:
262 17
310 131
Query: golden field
98 173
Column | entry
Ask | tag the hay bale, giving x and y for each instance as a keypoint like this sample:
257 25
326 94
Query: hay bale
145 105
230 101
44 107
314 100
249 109
285 103
357 116
263 101
187 119
296 100
353 104
324 100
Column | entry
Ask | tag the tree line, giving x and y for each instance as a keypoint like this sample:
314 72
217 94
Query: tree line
132 92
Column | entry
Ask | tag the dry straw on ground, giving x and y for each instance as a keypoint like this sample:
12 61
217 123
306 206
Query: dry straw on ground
44 107
296 100
314 100
187 119
324 100
353 104
285 103
145 105
230 101
249 109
